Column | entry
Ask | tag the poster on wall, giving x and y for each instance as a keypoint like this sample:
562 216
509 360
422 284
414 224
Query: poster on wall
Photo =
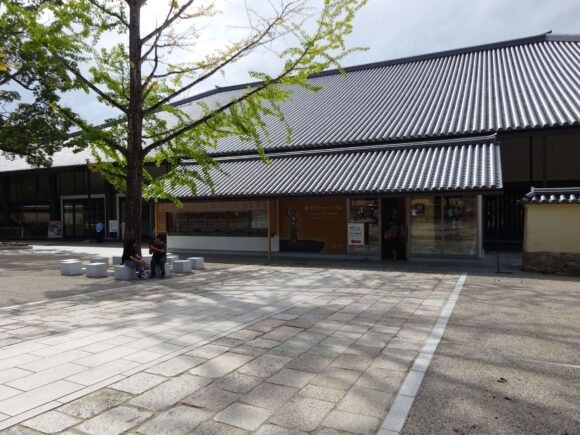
315 225
113 226
55 229
356 234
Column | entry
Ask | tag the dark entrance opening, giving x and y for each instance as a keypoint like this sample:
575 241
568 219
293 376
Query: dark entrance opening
80 216
394 229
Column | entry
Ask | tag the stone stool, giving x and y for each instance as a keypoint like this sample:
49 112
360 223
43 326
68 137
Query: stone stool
168 269
171 258
97 270
196 262
124 273
71 267
182 266
99 260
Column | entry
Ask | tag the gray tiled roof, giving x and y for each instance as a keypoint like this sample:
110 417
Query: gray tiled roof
554 195
523 84
454 165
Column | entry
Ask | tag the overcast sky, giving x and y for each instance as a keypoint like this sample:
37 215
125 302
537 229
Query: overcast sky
393 29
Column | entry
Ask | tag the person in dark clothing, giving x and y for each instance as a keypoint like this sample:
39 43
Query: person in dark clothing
131 258
391 239
159 256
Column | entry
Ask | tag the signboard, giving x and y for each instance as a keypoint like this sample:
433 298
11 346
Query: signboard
113 226
356 234
315 225
55 229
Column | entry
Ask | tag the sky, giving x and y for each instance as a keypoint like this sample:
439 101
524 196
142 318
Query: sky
389 29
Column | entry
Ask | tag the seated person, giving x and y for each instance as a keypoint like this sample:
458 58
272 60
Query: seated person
131 257
159 256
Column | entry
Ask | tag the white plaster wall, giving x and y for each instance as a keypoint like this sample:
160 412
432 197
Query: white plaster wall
209 243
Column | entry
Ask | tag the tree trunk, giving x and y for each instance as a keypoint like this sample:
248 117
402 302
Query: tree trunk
135 155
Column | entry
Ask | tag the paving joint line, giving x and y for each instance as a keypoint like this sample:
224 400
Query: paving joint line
401 407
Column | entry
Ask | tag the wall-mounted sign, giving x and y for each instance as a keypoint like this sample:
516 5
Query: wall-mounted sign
55 229
113 226
356 233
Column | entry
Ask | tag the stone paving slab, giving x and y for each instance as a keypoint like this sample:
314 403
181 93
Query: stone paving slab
250 348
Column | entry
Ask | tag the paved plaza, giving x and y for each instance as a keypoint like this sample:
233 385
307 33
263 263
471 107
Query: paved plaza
288 349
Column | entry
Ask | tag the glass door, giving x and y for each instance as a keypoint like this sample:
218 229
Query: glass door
80 216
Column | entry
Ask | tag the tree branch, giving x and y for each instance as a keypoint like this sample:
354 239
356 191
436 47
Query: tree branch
88 83
103 9
259 40
185 129
168 20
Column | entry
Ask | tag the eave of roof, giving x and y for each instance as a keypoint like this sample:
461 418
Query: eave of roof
415 168
552 195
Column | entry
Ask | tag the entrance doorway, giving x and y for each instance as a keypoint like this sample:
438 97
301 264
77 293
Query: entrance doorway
394 229
80 216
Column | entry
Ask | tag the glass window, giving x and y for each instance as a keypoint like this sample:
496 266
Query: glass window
235 223
367 211
196 223
460 225
239 221
444 225
179 222
425 231
217 222
260 220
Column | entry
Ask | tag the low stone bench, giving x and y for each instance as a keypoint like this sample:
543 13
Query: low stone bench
71 267
182 266
196 262
125 273
96 270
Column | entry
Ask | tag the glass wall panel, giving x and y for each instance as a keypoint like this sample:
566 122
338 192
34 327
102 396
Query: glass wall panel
196 222
444 225
239 221
79 218
259 221
367 212
68 219
425 231
222 223
217 222
460 227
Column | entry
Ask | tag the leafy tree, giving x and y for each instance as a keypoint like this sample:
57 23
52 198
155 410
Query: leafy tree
29 82
138 76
